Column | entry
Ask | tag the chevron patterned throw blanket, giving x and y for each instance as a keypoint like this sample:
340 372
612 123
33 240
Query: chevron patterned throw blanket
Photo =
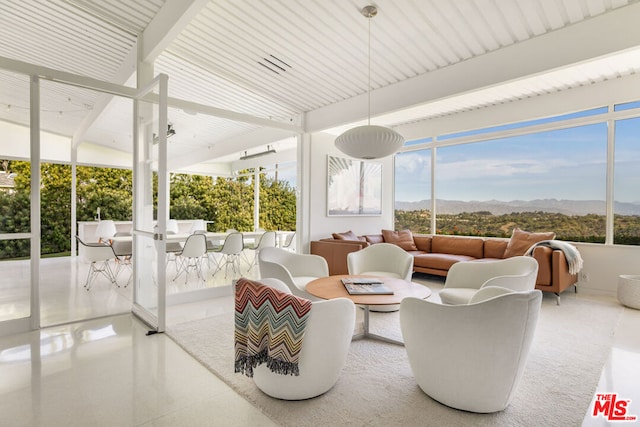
269 327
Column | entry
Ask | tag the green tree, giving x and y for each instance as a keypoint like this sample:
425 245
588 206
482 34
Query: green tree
277 204
227 202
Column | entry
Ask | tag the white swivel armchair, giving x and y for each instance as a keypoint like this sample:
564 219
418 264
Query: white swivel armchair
323 354
471 356
382 260
295 270
464 279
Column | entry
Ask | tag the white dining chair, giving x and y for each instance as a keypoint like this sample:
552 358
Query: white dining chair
194 250
106 230
198 225
172 249
230 254
123 250
290 242
98 255
267 240
172 226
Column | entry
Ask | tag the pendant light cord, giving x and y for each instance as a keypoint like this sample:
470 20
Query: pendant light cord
369 88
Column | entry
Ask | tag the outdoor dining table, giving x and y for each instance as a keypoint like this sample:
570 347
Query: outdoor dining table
217 238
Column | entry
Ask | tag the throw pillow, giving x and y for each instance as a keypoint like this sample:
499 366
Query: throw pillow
403 238
522 240
347 235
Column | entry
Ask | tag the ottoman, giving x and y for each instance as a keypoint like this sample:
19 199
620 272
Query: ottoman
629 290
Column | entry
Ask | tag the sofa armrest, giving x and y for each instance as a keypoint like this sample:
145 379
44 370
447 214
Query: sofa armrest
553 270
562 279
335 252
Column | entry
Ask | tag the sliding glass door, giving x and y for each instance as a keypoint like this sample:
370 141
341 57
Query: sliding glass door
16 263
150 204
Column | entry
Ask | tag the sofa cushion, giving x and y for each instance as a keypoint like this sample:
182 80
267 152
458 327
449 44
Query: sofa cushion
374 238
347 235
494 248
438 261
455 245
403 238
423 243
522 240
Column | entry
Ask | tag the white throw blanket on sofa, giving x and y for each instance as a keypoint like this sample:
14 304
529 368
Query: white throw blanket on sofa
574 260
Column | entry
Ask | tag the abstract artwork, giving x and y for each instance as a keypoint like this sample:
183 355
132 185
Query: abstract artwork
354 187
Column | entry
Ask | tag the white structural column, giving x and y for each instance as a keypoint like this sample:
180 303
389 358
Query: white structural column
74 198
433 188
35 201
610 197
303 200
256 199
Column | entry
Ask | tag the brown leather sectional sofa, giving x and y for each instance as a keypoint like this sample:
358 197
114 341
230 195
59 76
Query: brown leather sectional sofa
435 254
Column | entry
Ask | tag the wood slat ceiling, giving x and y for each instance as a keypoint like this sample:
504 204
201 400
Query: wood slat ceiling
324 44
278 59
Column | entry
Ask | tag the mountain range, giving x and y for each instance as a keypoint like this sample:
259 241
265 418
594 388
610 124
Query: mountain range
497 207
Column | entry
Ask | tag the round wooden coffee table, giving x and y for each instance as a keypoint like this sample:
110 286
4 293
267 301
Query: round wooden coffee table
332 287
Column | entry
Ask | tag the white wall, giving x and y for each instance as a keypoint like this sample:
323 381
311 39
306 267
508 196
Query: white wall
320 225
97 155
603 264
15 144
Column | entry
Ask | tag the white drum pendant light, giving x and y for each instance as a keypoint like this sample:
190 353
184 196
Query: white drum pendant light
369 142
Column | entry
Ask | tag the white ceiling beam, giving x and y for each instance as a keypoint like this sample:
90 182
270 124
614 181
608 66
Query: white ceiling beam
165 26
603 35
624 89
65 77
229 146
171 19
194 107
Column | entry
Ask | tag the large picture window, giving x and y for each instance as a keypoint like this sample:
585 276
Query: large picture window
554 180
413 191
627 182
545 180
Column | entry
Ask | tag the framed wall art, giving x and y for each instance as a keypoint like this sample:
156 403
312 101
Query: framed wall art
354 187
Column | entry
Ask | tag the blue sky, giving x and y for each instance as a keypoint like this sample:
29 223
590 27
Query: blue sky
561 164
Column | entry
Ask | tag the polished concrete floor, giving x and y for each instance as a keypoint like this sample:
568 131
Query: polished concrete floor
64 298
108 372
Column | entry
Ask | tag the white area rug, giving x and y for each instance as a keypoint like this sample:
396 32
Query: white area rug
377 388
